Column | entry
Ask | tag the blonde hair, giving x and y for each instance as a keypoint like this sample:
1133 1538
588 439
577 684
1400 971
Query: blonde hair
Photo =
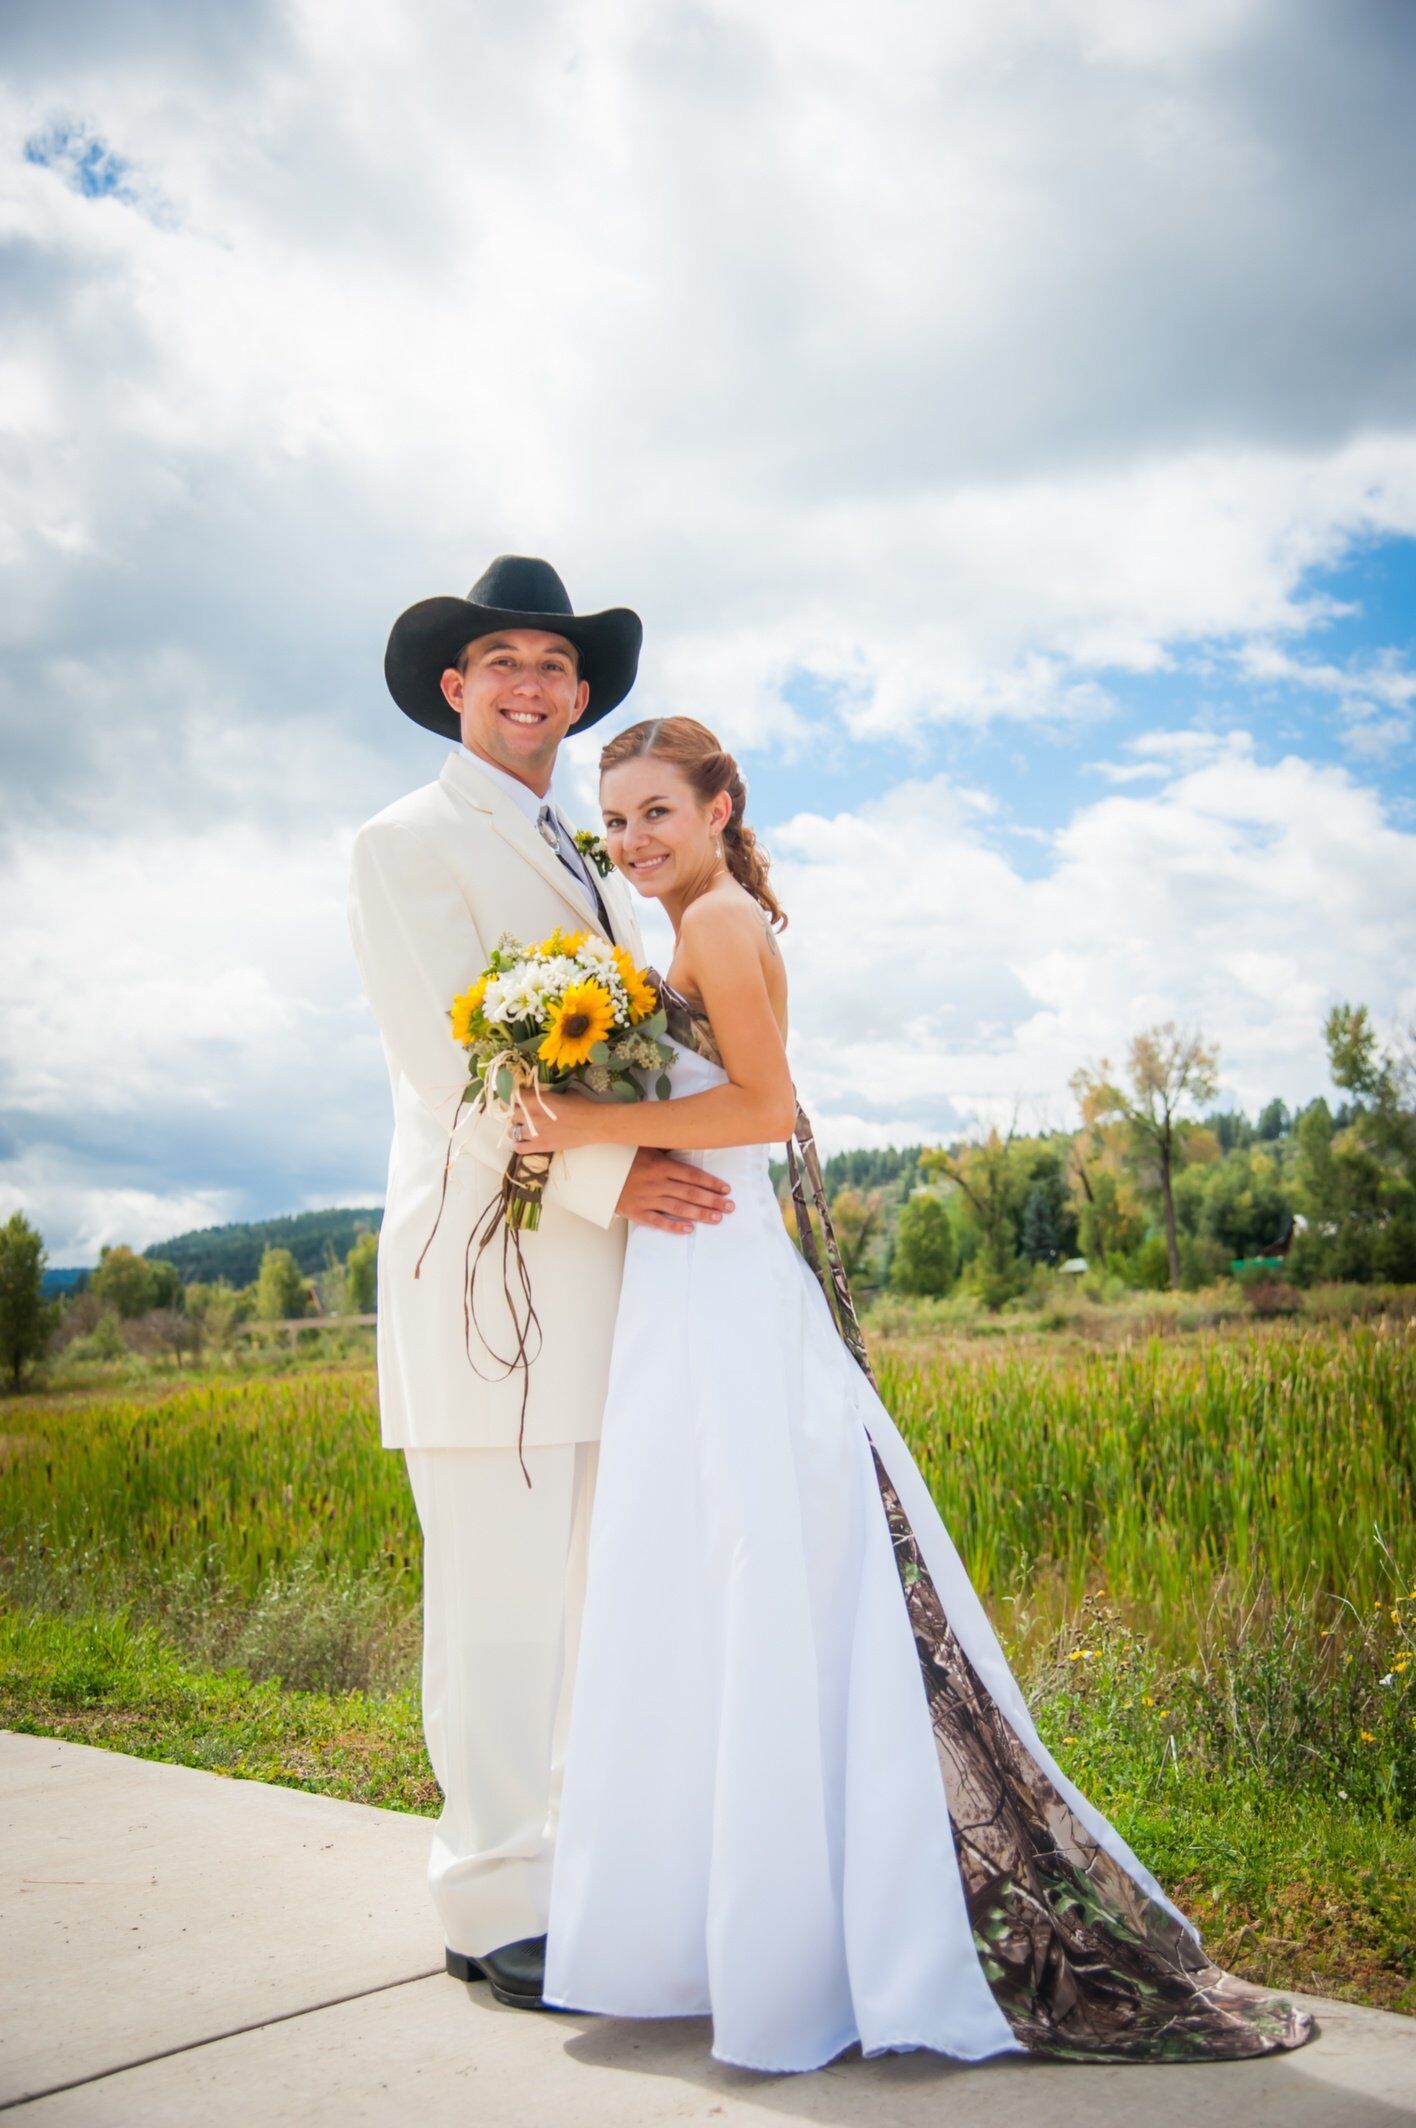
691 747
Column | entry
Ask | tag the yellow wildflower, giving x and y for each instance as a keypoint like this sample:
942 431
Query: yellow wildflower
567 942
1366 1736
637 990
583 1017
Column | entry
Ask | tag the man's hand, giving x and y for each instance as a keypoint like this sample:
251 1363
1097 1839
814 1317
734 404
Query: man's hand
660 1191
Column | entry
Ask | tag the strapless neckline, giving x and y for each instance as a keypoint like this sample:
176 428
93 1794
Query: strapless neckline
686 1022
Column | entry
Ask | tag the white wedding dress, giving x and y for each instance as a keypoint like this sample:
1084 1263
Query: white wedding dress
803 1792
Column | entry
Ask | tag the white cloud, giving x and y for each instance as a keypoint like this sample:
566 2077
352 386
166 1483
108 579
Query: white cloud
1375 691
1240 896
183 1006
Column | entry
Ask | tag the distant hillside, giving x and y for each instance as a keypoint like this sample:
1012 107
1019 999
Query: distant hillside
234 1252
62 1278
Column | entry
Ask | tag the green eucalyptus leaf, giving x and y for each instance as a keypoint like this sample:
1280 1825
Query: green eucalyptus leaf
662 1087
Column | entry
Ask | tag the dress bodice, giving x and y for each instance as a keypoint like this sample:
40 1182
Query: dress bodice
696 1069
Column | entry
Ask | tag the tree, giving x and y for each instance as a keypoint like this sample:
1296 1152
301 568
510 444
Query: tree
1109 1225
215 1309
1167 1068
1240 1202
985 1174
168 1290
855 1216
1231 1128
1274 1121
165 1330
1040 1238
924 1261
280 1288
361 1269
126 1281
1385 1079
26 1318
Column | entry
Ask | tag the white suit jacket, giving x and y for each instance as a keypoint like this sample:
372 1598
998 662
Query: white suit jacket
436 879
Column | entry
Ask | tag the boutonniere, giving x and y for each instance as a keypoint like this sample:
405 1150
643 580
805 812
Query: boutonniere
595 848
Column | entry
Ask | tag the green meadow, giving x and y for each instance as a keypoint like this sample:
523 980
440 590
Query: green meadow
1198 1545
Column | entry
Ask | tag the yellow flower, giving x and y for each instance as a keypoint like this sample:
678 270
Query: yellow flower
583 1017
1069 1740
1366 1736
466 1008
641 997
1146 1700
1161 1712
567 942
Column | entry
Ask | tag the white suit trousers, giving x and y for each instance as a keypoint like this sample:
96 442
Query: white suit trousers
503 1586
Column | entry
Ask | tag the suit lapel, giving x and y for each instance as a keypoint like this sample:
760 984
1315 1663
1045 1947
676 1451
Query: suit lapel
620 905
522 835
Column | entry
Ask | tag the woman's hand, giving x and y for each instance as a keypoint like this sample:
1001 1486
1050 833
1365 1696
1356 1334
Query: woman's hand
565 1121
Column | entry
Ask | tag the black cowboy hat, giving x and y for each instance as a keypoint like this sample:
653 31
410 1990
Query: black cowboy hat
517 591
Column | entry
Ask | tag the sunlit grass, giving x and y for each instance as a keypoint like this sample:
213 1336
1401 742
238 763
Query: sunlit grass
1199 1550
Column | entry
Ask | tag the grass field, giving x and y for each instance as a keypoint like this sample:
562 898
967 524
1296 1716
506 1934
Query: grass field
1200 1550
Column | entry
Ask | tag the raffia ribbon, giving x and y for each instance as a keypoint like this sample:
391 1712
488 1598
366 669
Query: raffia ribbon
519 1197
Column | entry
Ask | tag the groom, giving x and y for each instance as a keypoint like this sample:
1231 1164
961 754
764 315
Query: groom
437 878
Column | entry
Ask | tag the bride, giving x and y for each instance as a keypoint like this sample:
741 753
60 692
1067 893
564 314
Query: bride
803 1793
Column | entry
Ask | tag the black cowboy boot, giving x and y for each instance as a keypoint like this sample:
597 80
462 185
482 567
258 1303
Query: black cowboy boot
515 1973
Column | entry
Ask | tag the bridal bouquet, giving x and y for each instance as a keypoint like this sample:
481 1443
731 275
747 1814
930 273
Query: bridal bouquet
572 1011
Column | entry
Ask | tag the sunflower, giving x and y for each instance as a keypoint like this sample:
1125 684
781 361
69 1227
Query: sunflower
467 1009
566 942
583 1017
638 991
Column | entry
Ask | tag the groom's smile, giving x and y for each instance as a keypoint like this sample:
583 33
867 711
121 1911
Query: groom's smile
516 694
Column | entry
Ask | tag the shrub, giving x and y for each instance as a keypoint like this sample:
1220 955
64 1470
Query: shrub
924 1261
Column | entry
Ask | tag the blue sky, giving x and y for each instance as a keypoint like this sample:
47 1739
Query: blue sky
1011 451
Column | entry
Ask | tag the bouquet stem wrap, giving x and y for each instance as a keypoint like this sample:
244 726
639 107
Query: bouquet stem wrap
516 1206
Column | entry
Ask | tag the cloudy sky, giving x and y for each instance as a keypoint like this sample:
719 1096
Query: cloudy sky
1002 412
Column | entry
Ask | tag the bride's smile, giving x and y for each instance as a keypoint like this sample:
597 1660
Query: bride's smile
665 840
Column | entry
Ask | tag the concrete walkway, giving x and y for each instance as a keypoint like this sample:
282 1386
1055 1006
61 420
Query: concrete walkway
185 1949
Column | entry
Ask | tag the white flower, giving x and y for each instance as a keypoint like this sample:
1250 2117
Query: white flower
597 954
